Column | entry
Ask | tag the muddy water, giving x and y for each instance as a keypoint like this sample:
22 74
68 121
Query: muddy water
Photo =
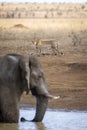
53 120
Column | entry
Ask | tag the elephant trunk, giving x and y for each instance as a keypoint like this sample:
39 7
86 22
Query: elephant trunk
41 106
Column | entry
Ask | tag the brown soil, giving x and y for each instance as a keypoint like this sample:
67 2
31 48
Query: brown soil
20 26
66 76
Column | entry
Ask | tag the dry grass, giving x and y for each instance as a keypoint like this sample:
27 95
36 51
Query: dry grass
46 24
70 33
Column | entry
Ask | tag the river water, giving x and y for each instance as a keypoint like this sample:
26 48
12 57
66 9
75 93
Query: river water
53 120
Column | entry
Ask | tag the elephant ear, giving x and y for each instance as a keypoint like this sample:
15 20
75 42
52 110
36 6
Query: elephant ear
25 73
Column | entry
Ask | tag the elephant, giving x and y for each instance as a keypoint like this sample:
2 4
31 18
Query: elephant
20 74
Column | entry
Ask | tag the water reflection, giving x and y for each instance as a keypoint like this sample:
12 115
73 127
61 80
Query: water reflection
6 126
53 120
32 126
40 126
56 120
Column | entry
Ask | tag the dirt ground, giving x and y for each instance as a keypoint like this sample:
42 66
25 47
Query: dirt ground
67 77
66 73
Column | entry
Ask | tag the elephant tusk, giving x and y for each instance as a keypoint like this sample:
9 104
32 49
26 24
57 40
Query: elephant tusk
52 97
56 97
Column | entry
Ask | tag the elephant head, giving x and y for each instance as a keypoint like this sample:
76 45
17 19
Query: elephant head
38 87
18 74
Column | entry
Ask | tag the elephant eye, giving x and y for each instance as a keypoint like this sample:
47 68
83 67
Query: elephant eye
40 76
